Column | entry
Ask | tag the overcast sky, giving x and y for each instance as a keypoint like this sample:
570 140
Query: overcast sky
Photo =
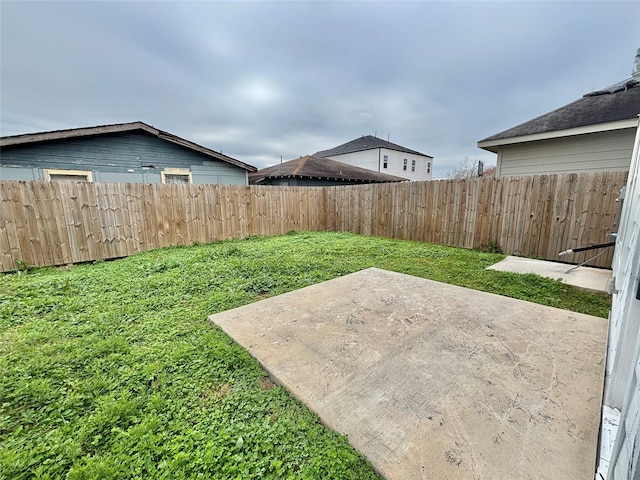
268 79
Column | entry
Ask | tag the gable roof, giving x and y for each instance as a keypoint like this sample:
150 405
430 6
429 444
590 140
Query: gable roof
42 137
366 142
309 167
618 103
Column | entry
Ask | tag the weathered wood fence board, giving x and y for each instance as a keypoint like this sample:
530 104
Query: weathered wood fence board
62 222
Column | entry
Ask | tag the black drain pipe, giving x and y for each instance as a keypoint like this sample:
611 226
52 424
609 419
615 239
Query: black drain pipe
584 249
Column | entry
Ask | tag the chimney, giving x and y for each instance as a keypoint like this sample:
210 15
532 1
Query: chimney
635 72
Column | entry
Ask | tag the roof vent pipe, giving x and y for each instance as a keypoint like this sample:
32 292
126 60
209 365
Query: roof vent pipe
635 72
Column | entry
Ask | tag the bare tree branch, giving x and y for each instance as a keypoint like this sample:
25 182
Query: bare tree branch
466 169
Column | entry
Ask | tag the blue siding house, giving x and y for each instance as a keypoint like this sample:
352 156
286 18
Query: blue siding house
127 153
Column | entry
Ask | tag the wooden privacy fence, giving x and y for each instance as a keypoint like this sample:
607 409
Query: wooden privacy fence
536 216
63 222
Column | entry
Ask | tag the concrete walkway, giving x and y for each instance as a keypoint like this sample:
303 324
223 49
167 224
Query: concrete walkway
588 278
435 381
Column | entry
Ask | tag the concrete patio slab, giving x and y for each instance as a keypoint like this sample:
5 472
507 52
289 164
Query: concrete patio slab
589 278
430 380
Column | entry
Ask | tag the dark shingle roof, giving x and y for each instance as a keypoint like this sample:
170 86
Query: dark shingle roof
366 142
32 138
324 168
621 101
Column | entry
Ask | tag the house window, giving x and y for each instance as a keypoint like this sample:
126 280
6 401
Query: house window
51 175
176 175
428 167
404 166
413 165
386 161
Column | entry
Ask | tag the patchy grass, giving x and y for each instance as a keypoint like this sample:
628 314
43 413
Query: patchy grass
111 370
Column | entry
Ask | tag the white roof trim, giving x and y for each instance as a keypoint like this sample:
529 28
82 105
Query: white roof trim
600 127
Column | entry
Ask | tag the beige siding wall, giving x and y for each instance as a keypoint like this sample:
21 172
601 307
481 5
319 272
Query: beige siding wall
593 152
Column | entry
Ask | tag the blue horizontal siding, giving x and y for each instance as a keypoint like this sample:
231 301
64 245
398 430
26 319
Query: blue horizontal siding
111 157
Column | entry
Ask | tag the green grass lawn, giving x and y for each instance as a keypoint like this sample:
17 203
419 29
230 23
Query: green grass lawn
111 369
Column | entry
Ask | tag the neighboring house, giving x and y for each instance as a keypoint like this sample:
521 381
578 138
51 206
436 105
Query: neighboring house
593 134
379 155
312 171
126 152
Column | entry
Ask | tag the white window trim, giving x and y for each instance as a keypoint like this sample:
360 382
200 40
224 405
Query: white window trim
80 173
176 171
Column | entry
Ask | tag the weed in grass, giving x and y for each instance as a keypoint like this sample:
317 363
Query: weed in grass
22 266
111 370
491 247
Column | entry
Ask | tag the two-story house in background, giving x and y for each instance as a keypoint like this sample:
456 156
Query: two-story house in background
382 156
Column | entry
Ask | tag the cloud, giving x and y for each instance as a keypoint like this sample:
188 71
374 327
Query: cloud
258 80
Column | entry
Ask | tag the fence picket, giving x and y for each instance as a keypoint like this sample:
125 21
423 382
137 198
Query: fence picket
60 222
